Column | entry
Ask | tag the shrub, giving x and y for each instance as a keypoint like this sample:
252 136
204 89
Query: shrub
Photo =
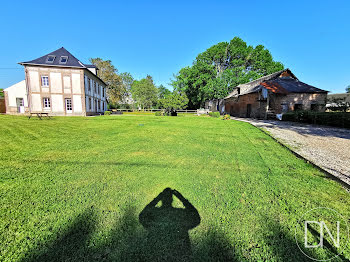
338 119
214 114
226 117
107 113
158 113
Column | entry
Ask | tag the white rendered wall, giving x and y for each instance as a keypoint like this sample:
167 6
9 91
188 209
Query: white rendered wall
18 90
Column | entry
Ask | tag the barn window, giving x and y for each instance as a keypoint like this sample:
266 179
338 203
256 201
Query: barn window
298 107
314 107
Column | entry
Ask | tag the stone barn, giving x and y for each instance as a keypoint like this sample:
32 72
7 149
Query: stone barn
274 94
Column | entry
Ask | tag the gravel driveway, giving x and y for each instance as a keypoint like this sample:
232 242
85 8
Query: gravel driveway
327 147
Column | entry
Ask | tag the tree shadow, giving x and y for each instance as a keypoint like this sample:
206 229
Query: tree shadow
214 246
282 243
70 245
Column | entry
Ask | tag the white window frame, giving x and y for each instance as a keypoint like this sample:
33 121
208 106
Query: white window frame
46 103
50 56
69 108
63 63
21 103
45 81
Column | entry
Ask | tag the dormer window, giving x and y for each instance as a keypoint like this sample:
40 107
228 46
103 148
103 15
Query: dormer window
50 59
63 60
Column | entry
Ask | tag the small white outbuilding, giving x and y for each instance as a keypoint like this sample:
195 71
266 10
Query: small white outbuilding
16 100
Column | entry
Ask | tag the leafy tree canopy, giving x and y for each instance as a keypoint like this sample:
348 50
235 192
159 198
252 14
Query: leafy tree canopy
174 100
222 67
144 92
109 74
347 89
163 92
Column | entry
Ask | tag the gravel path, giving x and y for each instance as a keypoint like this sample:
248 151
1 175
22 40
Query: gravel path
327 147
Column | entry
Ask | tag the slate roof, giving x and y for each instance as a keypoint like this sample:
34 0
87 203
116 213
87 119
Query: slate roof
71 62
276 83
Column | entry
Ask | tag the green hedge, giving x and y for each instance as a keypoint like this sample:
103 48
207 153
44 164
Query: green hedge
338 119
107 113
214 114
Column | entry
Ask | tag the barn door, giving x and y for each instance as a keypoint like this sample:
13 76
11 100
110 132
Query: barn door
249 110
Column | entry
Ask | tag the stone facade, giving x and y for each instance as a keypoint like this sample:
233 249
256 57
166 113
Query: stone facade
274 94
253 105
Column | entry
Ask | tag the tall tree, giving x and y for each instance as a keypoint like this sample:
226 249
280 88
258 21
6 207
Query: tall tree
127 80
144 92
174 100
163 92
109 74
220 68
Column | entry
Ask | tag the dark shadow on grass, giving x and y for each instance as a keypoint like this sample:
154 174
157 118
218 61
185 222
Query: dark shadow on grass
168 238
283 244
215 247
331 249
157 234
69 245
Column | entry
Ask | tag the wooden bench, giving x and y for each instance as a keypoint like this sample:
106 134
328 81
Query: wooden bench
40 115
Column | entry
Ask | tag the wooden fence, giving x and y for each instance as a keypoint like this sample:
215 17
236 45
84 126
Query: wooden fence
2 105
152 110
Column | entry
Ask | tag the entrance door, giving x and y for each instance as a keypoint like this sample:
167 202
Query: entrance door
249 110
20 105
69 109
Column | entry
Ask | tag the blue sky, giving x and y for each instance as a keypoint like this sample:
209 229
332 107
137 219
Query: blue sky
160 37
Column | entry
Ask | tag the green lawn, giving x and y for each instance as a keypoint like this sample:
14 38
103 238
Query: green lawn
72 189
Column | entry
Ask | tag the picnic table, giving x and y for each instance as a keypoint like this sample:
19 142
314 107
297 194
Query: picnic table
39 115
